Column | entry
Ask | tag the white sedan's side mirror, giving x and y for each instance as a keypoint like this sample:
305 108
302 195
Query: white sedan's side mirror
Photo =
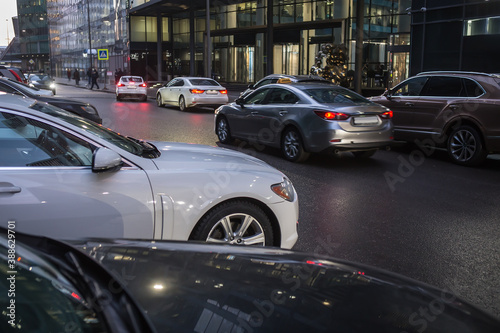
105 159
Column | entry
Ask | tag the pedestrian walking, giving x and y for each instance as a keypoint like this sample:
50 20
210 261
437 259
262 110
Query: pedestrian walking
89 76
68 73
117 77
95 76
76 76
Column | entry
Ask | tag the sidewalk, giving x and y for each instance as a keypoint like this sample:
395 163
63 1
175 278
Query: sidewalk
83 85
234 88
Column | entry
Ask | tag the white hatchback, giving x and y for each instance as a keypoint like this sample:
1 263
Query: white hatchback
131 87
67 177
188 92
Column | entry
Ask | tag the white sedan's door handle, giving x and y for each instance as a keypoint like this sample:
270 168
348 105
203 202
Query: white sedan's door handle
9 188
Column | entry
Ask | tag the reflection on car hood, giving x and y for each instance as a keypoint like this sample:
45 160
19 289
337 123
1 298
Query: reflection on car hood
194 156
57 100
196 287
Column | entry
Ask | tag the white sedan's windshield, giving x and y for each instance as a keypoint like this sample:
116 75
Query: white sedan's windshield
130 145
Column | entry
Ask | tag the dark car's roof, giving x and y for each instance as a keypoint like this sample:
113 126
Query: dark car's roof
297 78
187 286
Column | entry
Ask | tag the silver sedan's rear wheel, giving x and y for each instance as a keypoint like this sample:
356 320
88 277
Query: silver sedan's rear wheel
292 146
236 222
465 146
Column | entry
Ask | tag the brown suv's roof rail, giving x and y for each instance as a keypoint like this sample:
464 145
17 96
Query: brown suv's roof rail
460 72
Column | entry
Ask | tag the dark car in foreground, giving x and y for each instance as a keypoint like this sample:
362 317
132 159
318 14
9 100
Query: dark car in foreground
457 111
193 287
42 81
83 109
304 118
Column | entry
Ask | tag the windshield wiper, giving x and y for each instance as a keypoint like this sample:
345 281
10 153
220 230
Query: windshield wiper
148 149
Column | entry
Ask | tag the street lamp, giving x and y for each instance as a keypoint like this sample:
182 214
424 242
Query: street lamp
90 37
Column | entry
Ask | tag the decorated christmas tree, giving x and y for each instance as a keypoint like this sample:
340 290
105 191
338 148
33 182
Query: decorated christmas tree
331 64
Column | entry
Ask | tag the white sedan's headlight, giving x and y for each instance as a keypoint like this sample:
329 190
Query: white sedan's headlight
284 189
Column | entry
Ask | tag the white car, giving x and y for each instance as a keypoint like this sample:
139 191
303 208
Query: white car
131 87
66 177
188 92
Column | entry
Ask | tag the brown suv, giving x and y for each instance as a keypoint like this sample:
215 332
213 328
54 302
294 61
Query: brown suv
458 111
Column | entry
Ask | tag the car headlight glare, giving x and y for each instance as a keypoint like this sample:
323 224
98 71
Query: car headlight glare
284 189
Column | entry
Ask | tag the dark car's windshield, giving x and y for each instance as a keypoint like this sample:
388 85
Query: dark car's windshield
43 298
39 77
24 88
336 95
132 146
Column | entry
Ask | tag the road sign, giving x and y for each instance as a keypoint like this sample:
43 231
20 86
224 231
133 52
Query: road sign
102 54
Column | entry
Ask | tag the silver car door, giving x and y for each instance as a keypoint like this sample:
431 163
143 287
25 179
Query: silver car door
48 188
245 120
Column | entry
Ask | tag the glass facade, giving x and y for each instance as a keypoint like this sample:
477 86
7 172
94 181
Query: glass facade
78 28
33 35
249 39
472 35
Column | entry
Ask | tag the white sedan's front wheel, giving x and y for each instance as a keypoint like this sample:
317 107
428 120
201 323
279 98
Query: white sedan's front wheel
237 223
159 100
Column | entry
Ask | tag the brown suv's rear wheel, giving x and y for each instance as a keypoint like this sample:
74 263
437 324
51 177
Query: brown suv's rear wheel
465 146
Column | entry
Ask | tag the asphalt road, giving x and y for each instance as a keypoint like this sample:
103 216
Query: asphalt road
401 210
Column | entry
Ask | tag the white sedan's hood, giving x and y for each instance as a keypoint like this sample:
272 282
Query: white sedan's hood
195 157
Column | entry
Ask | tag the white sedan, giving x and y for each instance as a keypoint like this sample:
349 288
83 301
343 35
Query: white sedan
131 87
66 177
188 92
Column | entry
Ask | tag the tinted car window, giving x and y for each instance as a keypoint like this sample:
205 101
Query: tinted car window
28 142
45 300
7 89
444 86
257 97
336 96
411 87
472 88
264 82
282 96
203 82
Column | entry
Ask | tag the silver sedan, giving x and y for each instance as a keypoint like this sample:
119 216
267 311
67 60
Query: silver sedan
188 92
304 118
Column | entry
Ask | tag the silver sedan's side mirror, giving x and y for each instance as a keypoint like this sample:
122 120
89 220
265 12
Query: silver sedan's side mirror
104 159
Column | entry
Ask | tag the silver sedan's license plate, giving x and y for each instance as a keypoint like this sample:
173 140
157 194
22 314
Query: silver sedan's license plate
369 120
212 92
131 87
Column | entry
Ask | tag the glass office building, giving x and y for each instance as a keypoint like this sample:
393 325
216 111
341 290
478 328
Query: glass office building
33 36
79 28
251 39
161 39
455 35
